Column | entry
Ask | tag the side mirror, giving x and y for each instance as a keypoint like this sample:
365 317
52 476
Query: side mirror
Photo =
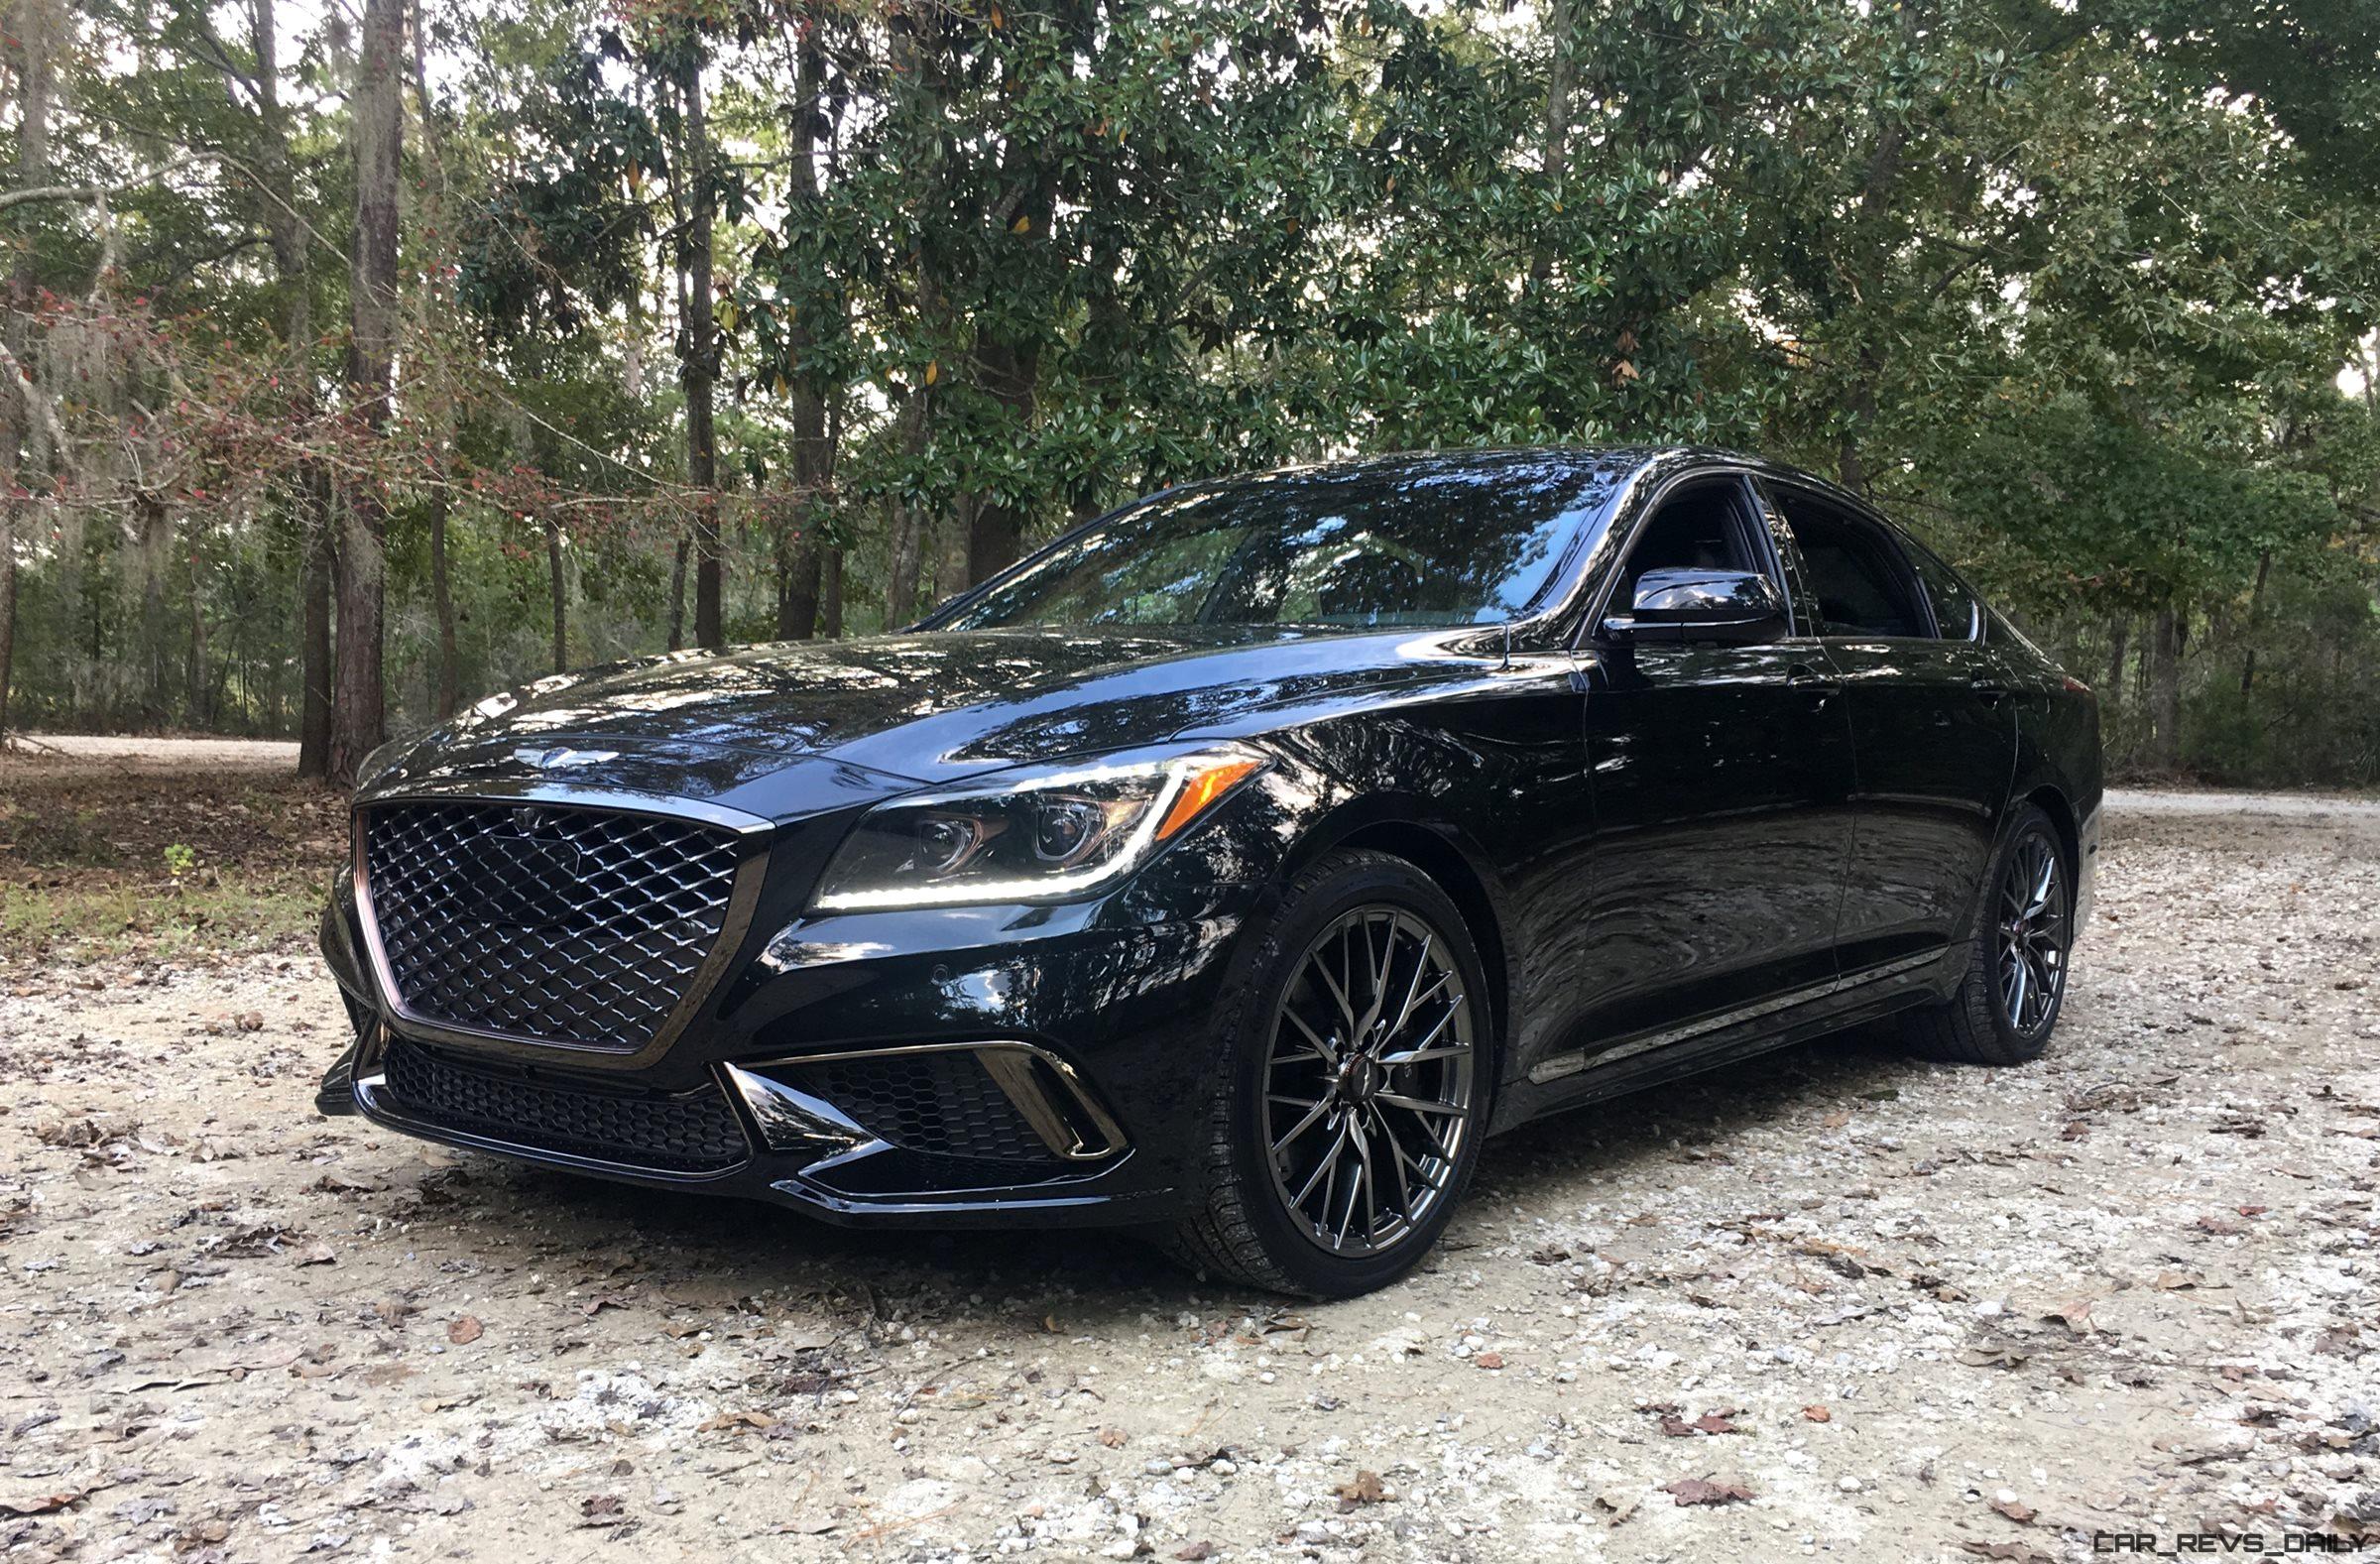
1730 607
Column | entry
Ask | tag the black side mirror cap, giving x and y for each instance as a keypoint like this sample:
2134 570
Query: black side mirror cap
1730 607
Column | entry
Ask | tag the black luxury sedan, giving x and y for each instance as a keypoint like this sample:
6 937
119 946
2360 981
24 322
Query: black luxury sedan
1233 867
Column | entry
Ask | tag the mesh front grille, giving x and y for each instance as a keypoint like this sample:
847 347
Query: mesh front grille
941 1103
693 1132
562 926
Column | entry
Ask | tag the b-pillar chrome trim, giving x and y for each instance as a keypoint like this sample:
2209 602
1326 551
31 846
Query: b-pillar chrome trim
1578 1060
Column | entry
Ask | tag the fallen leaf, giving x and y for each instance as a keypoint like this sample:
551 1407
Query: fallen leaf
39 1504
1489 1359
2020 1513
1112 1438
1193 1552
1702 1491
2001 1356
1816 1414
2075 1316
464 1331
737 1420
1364 1488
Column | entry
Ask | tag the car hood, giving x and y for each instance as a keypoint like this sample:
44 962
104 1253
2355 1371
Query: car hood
802 726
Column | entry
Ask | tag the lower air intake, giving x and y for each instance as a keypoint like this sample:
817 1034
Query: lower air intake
942 1103
686 1133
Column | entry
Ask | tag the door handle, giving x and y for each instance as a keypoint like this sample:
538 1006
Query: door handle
1810 682
1991 692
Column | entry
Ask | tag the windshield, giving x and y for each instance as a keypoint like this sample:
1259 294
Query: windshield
1452 543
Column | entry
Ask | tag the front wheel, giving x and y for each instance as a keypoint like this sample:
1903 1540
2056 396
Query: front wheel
2008 1000
1359 1068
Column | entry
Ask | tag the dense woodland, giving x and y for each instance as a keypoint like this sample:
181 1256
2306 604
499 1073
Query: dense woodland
363 356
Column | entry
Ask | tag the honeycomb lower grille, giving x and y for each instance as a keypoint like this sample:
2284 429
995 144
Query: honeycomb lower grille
942 1103
563 925
692 1132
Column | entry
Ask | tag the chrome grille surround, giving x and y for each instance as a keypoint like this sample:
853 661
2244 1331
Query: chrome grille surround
551 922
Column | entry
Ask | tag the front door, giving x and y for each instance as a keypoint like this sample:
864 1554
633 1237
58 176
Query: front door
1721 779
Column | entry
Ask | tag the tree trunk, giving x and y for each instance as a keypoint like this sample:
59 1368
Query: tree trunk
2165 699
446 680
560 597
800 555
906 550
315 669
378 136
8 602
2248 666
195 684
2119 634
797 587
1008 373
698 361
32 25
830 594
309 495
441 599
1560 75
678 592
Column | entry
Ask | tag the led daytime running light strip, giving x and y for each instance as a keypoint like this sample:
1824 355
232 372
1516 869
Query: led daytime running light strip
1162 819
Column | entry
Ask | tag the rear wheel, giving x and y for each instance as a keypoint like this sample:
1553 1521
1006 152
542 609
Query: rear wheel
1359 1069
2008 1000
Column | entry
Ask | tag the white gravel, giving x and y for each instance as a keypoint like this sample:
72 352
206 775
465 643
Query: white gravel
1905 1312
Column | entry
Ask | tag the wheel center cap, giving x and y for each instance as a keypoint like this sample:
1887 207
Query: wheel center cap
1359 1079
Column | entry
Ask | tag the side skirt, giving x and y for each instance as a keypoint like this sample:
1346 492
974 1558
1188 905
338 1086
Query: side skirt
1571 1080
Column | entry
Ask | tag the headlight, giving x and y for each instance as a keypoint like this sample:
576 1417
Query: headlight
1043 833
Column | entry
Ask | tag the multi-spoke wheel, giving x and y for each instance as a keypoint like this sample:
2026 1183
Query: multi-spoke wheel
2015 979
1368 1089
1359 1079
2032 934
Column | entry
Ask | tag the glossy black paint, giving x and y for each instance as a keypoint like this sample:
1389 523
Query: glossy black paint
1671 852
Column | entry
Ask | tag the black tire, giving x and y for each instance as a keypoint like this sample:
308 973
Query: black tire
1977 1026
1244 1226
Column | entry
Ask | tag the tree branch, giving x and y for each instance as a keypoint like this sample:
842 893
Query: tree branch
86 194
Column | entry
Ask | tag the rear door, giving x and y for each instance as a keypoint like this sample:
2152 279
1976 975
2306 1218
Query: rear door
1933 726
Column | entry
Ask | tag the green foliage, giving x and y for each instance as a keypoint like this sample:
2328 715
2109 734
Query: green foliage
2068 288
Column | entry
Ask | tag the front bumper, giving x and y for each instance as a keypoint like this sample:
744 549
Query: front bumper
1075 1041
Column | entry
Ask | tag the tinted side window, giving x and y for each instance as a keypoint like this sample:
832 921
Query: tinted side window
1700 527
1958 615
1862 584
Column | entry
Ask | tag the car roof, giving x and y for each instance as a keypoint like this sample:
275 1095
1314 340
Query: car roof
1614 461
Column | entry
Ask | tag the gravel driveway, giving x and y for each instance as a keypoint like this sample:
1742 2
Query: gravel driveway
1833 1304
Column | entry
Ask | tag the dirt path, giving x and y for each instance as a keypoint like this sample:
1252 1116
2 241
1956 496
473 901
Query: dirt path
1911 1312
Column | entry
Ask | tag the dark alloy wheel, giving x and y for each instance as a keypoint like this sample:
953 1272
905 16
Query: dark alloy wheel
1361 1069
1368 1093
2033 915
2015 981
